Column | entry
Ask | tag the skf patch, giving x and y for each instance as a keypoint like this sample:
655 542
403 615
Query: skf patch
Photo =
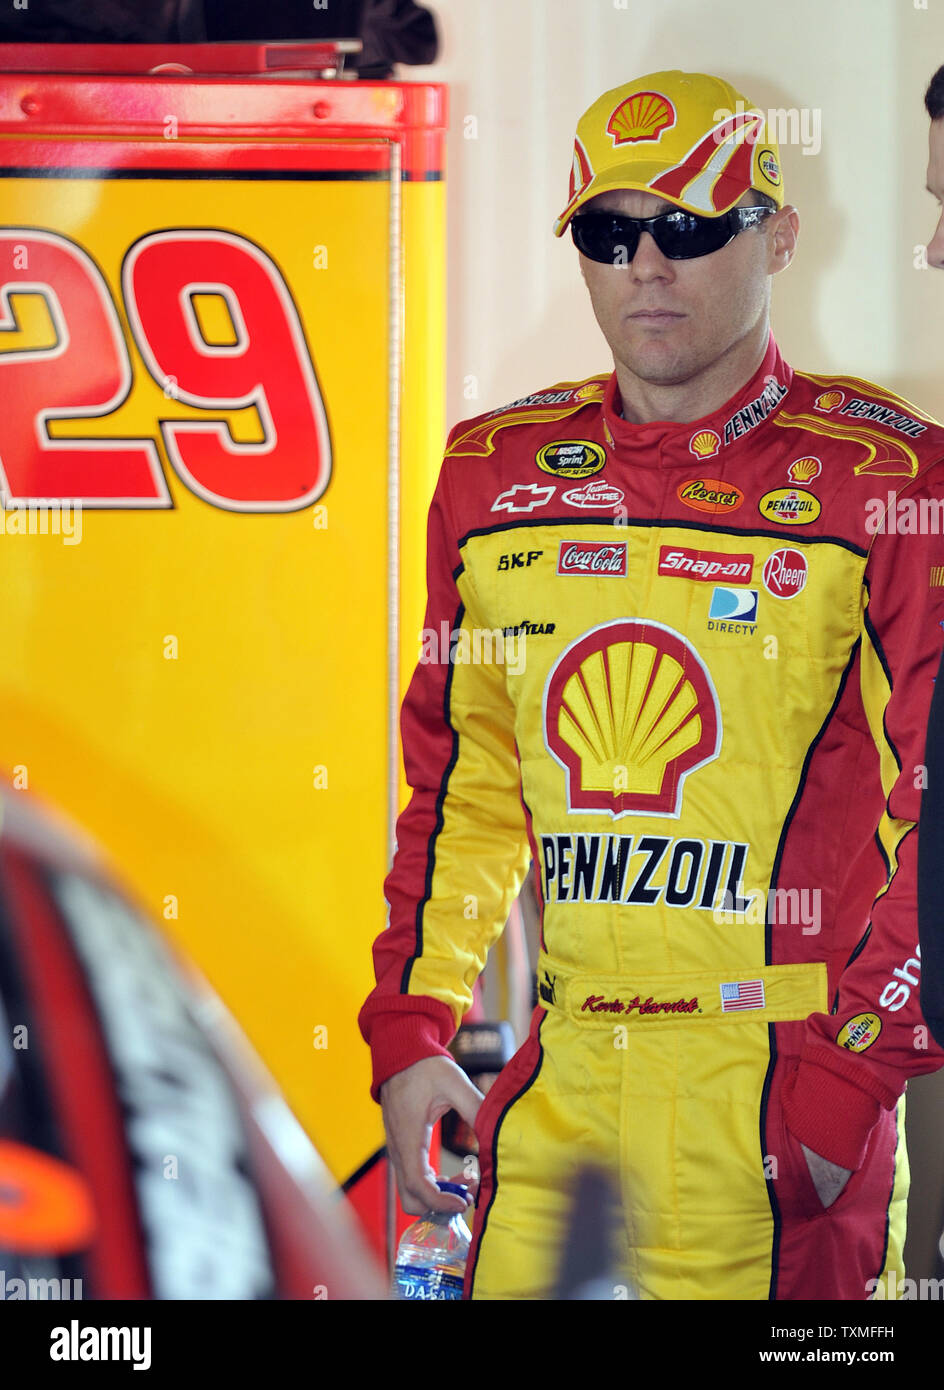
571 458
860 1032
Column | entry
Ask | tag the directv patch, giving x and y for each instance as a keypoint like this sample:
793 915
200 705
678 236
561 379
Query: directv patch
737 605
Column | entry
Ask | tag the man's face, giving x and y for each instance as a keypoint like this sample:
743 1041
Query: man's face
668 320
936 186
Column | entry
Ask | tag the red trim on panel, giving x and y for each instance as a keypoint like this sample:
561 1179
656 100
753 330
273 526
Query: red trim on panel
123 159
847 881
73 109
232 58
80 1081
368 1199
388 106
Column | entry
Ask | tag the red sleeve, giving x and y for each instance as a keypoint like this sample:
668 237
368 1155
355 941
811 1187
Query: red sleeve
462 850
838 1090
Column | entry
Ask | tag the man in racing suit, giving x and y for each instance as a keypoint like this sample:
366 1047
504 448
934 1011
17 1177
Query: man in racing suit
708 744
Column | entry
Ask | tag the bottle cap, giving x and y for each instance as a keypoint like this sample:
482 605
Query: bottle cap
458 1189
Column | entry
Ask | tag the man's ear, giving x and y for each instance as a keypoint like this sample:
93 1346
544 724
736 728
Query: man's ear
783 239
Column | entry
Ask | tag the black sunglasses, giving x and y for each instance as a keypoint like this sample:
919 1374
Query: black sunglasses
612 239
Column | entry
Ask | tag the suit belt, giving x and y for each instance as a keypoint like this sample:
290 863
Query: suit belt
653 999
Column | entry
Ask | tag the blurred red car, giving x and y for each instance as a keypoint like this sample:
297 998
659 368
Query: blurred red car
143 1148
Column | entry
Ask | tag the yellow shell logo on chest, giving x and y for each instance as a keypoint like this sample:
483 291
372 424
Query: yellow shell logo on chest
629 712
571 458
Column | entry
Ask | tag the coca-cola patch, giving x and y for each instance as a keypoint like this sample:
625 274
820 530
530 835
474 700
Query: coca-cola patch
592 557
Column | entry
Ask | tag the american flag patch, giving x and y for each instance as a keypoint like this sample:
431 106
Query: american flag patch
746 994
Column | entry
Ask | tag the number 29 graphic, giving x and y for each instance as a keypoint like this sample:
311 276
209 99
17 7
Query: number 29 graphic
87 372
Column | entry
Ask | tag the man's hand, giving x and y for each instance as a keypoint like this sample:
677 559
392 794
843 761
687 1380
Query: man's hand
412 1101
828 1178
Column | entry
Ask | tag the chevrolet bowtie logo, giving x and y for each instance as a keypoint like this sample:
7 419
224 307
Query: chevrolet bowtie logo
523 497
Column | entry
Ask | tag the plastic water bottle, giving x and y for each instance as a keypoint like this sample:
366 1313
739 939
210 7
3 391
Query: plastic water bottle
432 1253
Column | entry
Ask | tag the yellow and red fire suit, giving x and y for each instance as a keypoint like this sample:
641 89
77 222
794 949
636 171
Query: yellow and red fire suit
705 725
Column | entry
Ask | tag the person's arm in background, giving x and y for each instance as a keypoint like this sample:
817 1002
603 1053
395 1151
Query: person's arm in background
837 1095
931 866
462 855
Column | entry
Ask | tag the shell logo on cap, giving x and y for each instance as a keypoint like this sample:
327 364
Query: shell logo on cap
705 444
629 712
643 116
829 400
767 163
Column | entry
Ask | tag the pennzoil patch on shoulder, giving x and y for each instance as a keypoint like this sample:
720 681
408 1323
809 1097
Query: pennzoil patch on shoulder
860 1032
571 458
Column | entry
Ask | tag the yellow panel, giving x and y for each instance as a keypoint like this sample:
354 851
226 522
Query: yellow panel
204 689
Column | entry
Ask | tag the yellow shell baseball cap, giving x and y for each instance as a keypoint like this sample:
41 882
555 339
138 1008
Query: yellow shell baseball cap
687 137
